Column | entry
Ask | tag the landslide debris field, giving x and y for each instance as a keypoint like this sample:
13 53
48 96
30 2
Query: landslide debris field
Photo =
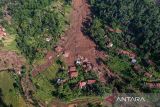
10 60
74 42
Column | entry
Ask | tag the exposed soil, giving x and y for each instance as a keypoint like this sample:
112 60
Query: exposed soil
11 61
48 62
76 42
77 102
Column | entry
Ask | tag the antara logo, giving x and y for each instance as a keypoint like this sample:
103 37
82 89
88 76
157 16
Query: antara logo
130 99
112 99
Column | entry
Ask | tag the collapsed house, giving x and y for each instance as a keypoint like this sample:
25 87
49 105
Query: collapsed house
85 63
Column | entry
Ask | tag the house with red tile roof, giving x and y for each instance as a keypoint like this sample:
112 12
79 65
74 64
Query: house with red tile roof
72 68
82 84
73 72
128 53
91 81
153 85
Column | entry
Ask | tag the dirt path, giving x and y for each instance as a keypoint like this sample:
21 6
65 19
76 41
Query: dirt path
77 43
77 102
48 62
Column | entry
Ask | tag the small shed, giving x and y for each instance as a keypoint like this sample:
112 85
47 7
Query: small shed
110 45
48 39
59 81
133 61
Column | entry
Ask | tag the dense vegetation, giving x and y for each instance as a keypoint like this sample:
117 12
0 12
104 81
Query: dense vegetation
137 19
130 25
35 21
49 88
39 23
9 91
70 89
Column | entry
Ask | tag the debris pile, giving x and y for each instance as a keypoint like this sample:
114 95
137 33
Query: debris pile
66 54
11 61
86 64
58 49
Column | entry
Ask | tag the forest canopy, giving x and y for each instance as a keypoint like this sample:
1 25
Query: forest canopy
139 21
38 24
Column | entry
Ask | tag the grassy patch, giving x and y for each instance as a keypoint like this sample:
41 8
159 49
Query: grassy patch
43 84
38 61
117 64
11 96
10 43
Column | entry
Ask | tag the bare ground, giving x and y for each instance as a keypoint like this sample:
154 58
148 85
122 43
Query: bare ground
10 60
76 42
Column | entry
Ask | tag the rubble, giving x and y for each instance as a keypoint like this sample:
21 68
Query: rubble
66 54
58 49
86 64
